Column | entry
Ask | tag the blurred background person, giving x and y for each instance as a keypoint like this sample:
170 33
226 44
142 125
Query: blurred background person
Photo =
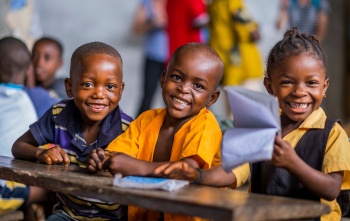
186 19
309 16
234 35
150 21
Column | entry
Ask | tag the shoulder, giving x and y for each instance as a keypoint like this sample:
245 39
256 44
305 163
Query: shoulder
206 120
126 120
58 107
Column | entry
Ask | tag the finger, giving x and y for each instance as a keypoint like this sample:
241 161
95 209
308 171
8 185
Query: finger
173 168
105 165
160 169
91 168
47 159
91 163
64 156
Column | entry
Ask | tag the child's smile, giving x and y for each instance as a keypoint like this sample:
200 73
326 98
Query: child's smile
180 103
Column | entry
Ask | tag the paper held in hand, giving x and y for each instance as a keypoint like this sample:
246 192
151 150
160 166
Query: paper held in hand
256 123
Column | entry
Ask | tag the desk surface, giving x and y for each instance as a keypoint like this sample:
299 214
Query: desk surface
203 201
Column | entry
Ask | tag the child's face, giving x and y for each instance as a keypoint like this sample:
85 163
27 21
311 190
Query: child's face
299 83
96 86
189 85
46 59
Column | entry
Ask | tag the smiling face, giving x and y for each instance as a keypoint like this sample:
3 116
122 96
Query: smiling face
96 86
46 60
299 83
190 84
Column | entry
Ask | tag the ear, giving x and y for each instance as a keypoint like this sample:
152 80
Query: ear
325 85
214 97
268 85
162 79
68 84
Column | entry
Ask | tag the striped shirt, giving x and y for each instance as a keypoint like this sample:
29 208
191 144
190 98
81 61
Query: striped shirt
61 126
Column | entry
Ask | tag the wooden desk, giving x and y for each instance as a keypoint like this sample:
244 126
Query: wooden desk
193 200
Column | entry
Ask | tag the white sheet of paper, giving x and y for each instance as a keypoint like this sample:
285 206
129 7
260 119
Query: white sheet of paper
256 122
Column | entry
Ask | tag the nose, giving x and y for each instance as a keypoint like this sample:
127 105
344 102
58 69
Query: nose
300 90
184 88
99 93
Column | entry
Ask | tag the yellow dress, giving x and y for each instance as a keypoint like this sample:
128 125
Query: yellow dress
230 30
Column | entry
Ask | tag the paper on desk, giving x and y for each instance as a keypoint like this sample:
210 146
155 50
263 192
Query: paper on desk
256 122
139 182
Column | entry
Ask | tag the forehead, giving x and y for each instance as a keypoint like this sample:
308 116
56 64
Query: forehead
46 45
99 63
302 64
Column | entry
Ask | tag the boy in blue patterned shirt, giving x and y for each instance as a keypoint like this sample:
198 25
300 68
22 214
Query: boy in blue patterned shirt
72 128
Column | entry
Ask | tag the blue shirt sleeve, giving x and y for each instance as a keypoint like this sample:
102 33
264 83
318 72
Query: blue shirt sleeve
43 130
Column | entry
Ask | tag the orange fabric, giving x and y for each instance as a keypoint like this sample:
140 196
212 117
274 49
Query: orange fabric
200 136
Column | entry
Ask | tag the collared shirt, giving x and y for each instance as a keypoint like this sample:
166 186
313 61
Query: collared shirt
61 125
200 136
337 154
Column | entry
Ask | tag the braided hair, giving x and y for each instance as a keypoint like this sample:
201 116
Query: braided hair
292 44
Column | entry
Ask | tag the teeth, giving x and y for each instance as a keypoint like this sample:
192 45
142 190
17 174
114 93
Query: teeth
181 102
96 106
296 105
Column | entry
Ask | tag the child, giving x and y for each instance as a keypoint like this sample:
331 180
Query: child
184 130
47 59
312 159
91 119
17 112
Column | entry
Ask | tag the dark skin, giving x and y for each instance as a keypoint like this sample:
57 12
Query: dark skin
96 87
188 86
299 83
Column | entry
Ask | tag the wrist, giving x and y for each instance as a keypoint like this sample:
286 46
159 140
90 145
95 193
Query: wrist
199 177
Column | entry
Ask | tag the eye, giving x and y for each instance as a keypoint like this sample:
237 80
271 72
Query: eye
198 86
286 82
87 84
47 57
312 83
175 78
111 86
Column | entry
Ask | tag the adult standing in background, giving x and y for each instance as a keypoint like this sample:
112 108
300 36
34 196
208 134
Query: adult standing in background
151 20
185 20
234 35
309 16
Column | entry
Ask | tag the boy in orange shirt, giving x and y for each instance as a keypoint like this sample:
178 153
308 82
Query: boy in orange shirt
184 130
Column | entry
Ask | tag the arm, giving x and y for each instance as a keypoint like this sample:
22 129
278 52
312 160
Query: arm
182 170
283 15
326 186
322 25
142 21
129 166
26 148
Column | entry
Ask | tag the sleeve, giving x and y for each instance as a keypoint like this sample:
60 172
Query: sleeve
337 155
198 12
241 173
203 139
43 130
128 141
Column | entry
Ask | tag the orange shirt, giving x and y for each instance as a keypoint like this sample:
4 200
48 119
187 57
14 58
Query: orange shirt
200 136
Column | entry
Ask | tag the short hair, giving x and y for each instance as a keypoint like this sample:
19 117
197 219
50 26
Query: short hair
292 44
51 40
92 48
14 58
204 50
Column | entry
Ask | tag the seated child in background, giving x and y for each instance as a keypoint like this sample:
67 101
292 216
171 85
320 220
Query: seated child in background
184 130
47 59
17 112
76 126
312 159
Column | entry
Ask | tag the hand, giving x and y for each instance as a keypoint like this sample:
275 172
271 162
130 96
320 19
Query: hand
254 36
54 155
283 154
95 159
121 163
179 170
